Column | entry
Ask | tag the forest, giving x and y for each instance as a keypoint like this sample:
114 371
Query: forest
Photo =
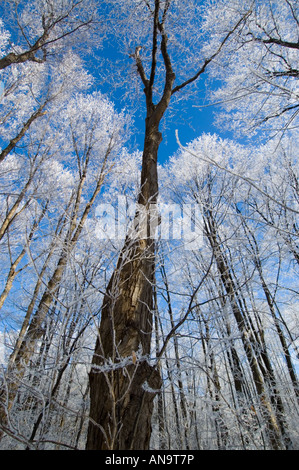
149 202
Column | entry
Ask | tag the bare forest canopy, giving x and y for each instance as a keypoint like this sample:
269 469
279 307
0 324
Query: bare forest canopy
149 292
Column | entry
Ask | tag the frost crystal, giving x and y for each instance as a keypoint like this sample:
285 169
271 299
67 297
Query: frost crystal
148 389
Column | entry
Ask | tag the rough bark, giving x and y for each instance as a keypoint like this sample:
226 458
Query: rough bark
121 403
121 407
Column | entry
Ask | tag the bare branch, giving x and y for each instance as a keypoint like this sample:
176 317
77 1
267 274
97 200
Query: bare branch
154 46
212 57
140 68
12 144
279 42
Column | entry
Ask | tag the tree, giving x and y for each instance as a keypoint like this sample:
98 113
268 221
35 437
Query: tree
262 72
37 31
147 338
208 173
96 133
41 66
121 406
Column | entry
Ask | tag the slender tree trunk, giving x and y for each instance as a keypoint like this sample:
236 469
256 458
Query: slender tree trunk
26 343
272 424
183 401
277 322
160 405
213 381
13 268
12 144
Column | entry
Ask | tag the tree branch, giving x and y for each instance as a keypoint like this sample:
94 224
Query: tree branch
154 48
41 42
140 68
279 42
169 75
15 140
207 61
238 175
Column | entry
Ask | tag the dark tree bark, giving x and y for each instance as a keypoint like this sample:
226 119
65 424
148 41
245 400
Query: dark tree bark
120 405
121 409
122 398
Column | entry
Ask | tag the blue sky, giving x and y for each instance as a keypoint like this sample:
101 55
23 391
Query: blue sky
190 123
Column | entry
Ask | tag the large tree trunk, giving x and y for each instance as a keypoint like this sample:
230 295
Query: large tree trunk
123 385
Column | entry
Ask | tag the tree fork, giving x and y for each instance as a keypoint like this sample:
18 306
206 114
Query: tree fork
122 398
